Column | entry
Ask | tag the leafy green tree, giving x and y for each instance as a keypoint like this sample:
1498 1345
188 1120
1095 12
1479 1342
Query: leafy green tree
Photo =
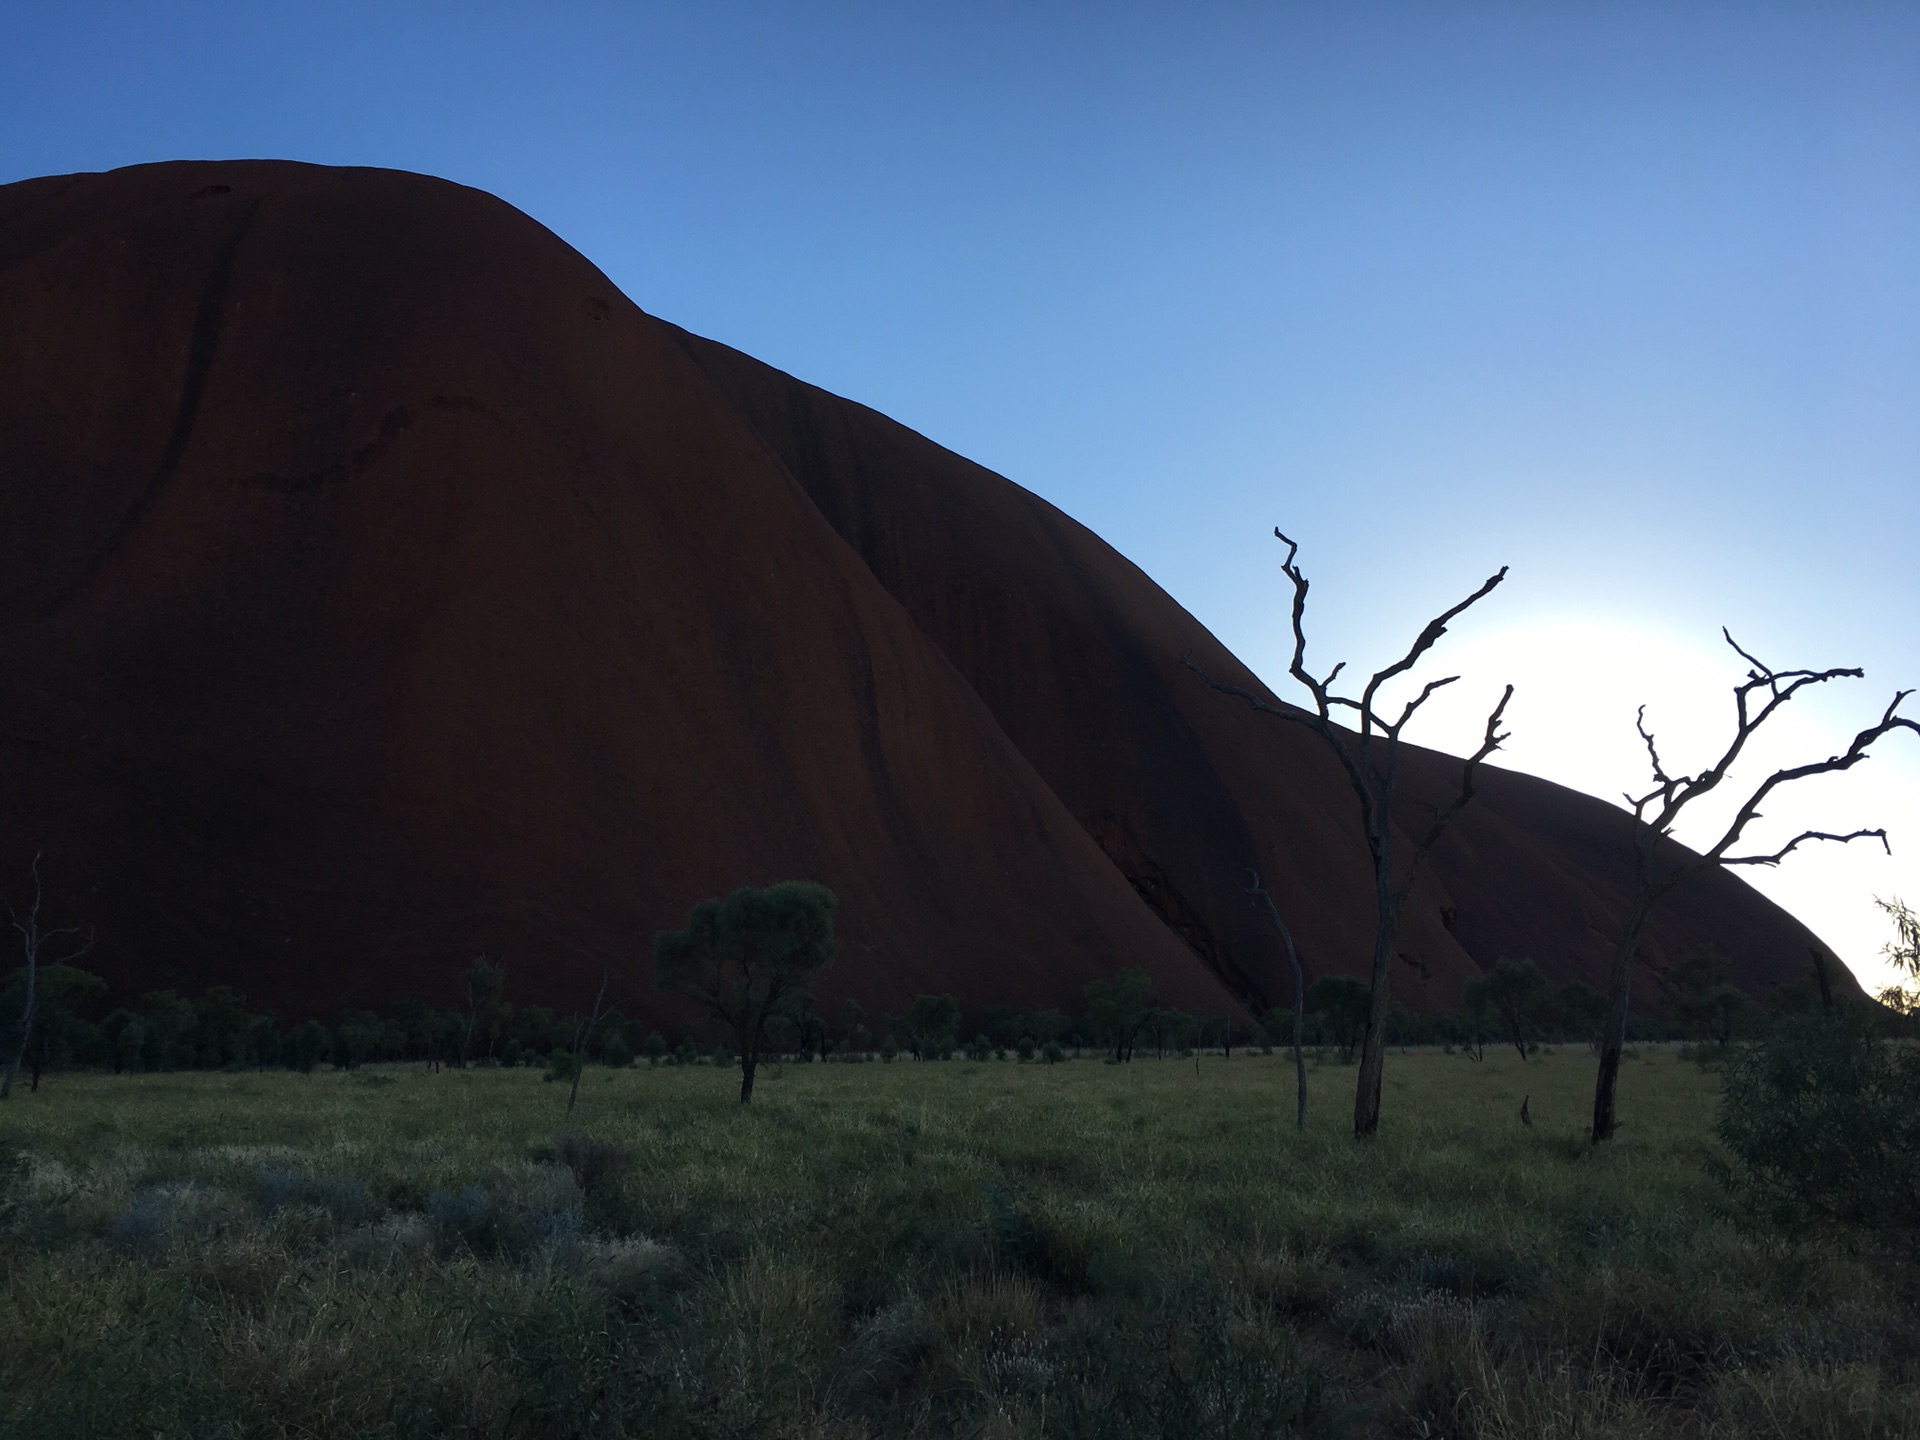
262 1041
750 957
1904 951
63 995
219 1026
537 1028
1119 1008
1511 990
1578 1009
126 1036
1042 1025
1160 1029
305 1046
357 1039
171 1022
853 1027
932 1024
1705 996
1344 1005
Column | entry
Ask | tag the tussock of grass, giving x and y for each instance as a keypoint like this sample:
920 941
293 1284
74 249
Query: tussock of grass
967 1249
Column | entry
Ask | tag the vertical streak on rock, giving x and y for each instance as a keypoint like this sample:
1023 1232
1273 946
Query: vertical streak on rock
208 320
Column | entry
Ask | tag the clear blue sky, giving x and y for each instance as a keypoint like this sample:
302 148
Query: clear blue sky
1626 296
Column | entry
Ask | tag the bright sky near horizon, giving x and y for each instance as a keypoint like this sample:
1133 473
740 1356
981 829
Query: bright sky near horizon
1626 296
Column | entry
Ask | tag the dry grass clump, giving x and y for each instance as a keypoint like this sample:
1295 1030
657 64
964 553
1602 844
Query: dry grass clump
988 1248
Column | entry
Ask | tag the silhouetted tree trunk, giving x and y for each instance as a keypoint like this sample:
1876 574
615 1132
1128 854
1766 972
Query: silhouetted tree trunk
1655 813
1299 1004
33 940
483 984
1371 759
580 1034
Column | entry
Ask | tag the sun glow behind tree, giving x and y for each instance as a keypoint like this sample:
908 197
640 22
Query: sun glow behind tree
1577 685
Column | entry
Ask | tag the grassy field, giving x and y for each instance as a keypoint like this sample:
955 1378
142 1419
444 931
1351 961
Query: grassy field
979 1249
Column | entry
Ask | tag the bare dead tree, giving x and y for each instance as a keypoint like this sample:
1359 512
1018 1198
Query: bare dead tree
1299 1002
1659 863
1370 758
581 1031
34 941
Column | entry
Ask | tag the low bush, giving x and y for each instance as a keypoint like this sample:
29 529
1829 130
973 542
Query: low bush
593 1162
1823 1121
920 1251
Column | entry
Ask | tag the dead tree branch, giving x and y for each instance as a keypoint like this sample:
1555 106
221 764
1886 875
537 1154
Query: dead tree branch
580 1033
33 941
1299 1001
1370 759
1655 812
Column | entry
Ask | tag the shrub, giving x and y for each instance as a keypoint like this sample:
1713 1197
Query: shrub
305 1046
616 1052
275 1188
561 1065
344 1200
1018 1237
1823 1120
592 1161
461 1217
1053 1053
145 1227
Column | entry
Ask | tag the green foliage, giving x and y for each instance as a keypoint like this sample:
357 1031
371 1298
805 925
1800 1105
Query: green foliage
1705 999
483 986
63 996
594 1161
306 1045
1343 1004
1278 1025
615 1052
171 1022
1510 991
1904 951
1119 1007
749 958
916 1251
1823 1120
1577 1011
932 1025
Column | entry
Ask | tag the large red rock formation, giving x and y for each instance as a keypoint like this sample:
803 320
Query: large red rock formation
379 586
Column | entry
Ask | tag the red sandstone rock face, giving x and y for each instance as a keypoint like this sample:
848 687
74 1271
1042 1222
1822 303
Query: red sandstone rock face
379 586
